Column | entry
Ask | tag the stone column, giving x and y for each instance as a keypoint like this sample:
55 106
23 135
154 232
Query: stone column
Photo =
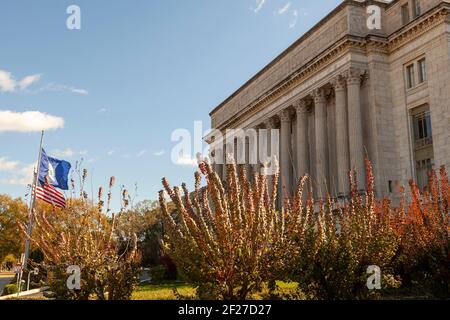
342 152
224 166
302 141
256 166
285 159
269 124
248 166
355 126
321 177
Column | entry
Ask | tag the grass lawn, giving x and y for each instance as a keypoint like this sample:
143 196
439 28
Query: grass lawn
164 291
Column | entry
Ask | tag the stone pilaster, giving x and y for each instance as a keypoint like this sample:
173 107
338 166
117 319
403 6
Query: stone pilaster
321 174
342 151
302 141
355 125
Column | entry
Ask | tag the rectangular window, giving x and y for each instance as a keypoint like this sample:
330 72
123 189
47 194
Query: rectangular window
422 70
423 144
405 14
410 79
423 134
391 186
416 8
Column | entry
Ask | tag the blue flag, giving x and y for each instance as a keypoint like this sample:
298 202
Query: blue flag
57 171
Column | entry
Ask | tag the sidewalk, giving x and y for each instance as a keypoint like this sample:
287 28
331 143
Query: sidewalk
35 293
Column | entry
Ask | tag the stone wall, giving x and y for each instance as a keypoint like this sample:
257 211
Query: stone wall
435 93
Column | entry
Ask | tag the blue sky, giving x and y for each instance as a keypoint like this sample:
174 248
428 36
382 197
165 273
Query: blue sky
136 71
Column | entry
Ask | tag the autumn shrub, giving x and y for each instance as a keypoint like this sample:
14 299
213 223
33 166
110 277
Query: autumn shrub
82 235
230 241
337 244
10 289
423 227
226 237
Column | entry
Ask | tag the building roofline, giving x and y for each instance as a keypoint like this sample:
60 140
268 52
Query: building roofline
344 4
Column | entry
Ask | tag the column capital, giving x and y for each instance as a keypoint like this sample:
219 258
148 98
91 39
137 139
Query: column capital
270 123
319 95
354 75
301 107
339 83
285 115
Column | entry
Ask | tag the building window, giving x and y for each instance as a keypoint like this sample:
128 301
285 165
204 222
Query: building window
422 70
405 14
423 145
423 135
410 79
416 8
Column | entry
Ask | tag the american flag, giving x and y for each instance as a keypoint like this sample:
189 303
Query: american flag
51 195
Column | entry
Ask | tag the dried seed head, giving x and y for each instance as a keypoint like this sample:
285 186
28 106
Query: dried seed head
100 193
112 181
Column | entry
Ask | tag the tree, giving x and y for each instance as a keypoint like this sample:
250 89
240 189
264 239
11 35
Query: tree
104 247
11 239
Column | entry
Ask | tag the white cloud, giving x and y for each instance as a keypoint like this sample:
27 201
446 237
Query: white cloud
29 121
23 177
79 91
111 152
259 5
186 161
62 87
66 153
102 110
141 153
293 22
159 153
283 9
6 165
28 81
9 84
83 152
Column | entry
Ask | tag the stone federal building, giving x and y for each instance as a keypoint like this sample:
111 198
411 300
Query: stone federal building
343 91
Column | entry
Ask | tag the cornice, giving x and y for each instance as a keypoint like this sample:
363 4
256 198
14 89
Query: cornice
428 21
299 76
370 43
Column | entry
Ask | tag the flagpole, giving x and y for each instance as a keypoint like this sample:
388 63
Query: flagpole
32 203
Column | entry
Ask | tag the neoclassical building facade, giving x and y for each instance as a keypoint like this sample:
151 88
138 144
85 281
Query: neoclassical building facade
345 91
